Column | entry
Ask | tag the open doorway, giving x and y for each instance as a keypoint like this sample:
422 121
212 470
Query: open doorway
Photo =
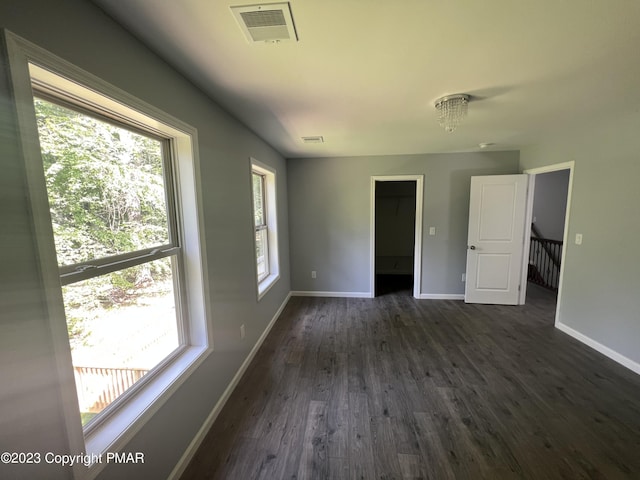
549 206
396 235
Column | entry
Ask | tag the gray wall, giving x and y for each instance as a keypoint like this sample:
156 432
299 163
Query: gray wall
30 409
550 203
329 216
601 283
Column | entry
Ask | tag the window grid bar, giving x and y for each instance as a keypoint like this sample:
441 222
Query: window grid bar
84 271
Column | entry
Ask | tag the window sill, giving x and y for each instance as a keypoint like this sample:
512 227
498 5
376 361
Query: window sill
265 285
114 433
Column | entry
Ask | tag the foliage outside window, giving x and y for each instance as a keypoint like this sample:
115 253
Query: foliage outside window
111 197
260 221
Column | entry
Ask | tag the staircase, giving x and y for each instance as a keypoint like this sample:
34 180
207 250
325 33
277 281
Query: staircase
544 261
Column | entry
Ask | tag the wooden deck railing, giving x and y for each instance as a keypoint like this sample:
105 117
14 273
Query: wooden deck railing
99 386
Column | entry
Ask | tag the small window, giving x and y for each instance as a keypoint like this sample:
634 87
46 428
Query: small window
262 230
265 225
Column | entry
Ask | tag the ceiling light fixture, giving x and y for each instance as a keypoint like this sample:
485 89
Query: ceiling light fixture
451 110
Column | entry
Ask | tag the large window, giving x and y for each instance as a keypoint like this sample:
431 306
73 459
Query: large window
263 181
113 215
115 208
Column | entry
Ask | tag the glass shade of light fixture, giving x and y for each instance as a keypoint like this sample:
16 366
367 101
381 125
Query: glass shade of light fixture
452 109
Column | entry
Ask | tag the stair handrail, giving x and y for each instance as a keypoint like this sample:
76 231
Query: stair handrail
551 255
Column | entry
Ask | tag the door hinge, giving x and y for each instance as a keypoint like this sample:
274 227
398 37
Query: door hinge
519 287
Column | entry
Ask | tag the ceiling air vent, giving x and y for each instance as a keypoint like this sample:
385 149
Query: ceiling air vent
268 22
315 139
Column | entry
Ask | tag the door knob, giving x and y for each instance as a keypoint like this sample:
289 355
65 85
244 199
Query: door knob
472 247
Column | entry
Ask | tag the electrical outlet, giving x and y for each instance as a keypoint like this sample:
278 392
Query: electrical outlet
242 331
578 239
313 274
464 277
432 230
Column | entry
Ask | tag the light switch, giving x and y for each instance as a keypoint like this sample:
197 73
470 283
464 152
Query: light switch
578 239
432 230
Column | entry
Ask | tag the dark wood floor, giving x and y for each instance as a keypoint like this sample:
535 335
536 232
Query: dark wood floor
398 388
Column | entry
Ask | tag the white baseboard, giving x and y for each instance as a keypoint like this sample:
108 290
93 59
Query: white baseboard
332 294
422 296
182 464
441 296
612 354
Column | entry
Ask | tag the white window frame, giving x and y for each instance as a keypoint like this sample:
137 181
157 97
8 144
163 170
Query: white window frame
271 219
263 227
28 63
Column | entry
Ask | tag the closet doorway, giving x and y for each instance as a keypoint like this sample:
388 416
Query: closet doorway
396 235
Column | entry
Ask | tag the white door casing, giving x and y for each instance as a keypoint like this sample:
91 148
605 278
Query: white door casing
495 245
417 258
533 172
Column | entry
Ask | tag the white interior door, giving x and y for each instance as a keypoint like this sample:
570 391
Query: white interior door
495 245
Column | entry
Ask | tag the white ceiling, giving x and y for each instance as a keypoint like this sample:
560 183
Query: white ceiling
365 73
